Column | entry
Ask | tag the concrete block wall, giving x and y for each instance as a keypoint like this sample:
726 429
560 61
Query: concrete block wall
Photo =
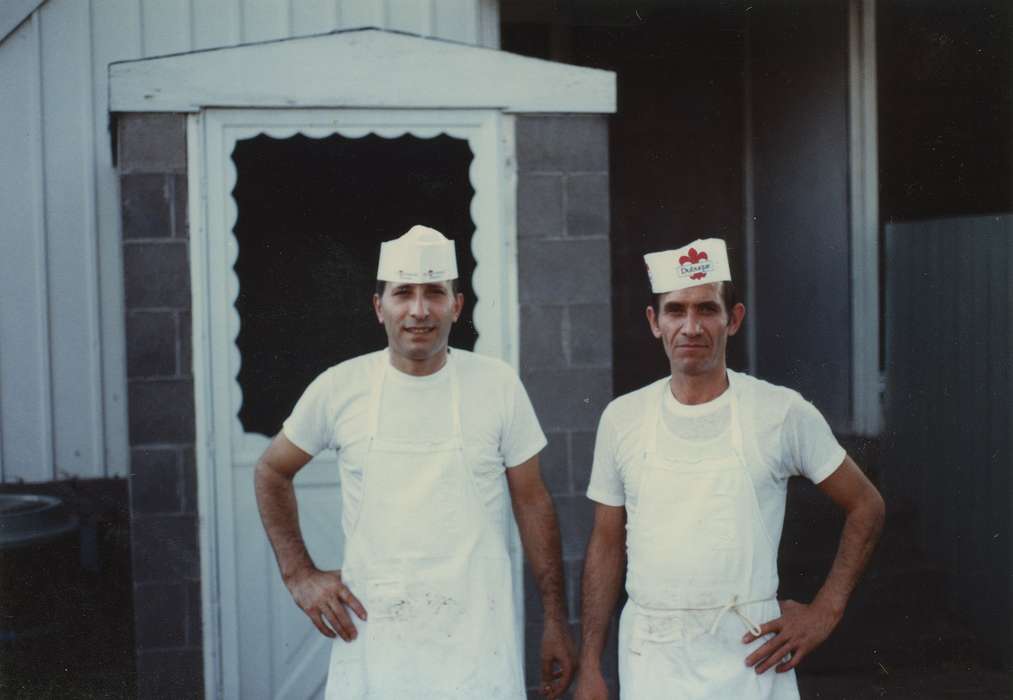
566 325
163 503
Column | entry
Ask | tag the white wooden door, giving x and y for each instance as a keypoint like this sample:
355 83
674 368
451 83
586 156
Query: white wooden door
258 644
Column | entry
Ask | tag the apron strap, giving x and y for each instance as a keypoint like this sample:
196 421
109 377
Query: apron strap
734 606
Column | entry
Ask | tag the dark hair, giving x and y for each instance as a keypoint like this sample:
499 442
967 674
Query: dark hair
382 285
729 297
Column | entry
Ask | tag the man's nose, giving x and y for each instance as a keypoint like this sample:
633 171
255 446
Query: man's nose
419 308
692 324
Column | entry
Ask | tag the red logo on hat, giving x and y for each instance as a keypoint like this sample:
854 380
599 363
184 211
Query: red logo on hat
694 258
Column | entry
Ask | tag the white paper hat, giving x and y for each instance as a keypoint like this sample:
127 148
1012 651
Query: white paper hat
700 262
421 255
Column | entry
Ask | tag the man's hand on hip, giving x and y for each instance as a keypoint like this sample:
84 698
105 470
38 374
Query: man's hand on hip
323 597
800 629
559 659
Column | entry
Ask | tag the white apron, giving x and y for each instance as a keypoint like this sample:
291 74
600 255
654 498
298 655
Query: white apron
433 572
702 572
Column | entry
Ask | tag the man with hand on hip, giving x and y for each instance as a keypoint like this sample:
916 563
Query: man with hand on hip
432 444
690 474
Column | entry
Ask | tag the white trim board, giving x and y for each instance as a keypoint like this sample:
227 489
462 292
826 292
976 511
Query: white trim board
14 12
867 409
369 68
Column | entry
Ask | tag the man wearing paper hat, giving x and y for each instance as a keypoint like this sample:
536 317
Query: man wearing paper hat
690 473
434 446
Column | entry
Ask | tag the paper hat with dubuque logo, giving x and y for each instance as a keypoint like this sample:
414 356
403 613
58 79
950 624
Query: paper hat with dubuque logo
701 262
419 256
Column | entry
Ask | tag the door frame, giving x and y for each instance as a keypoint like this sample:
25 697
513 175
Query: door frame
211 175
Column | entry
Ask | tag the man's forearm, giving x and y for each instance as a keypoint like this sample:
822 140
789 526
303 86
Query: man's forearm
861 532
600 586
280 514
539 530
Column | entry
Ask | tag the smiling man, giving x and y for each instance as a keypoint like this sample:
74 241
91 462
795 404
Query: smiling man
690 474
434 444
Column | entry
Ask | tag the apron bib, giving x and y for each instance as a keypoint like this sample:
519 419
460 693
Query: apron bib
702 571
433 573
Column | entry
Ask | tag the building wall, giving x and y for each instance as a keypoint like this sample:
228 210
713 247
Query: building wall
63 368
949 344
566 330
798 72
163 497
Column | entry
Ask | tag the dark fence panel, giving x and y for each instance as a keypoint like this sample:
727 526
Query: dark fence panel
948 353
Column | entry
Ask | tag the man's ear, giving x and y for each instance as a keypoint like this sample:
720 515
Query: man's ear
652 321
377 308
458 305
735 318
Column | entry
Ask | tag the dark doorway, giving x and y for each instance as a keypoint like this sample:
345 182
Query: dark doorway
311 216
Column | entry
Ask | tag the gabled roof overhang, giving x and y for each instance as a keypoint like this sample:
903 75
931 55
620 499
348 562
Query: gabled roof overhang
367 68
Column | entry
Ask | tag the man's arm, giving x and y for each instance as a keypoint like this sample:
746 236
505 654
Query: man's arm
801 628
320 594
600 586
539 529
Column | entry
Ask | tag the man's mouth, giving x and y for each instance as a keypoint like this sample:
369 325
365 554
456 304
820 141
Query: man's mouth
419 330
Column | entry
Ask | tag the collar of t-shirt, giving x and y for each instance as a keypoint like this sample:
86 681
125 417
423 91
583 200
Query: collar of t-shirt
698 423
416 408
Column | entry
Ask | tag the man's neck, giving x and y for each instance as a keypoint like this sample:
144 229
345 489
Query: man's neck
418 368
692 390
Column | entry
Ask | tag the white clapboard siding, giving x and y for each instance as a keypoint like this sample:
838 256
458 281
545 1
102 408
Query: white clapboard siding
24 324
62 360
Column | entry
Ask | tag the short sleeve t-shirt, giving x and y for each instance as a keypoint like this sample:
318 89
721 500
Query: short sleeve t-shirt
783 435
498 422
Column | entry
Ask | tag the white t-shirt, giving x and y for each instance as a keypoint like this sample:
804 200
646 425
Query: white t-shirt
783 435
499 425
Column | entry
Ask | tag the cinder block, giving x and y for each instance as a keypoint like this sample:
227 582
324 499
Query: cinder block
581 457
590 334
160 615
573 569
194 626
164 548
576 518
571 143
185 335
151 344
151 142
587 205
146 206
180 208
564 272
161 411
542 336
155 481
156 274
555 464
569 399
176 674
539 205
188 469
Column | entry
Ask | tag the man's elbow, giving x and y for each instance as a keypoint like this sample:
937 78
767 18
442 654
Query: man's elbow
873 510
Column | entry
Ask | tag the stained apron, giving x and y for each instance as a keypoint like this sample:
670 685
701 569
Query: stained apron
702 572
433 572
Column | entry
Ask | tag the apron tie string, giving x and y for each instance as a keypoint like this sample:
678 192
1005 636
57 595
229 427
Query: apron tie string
733 605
